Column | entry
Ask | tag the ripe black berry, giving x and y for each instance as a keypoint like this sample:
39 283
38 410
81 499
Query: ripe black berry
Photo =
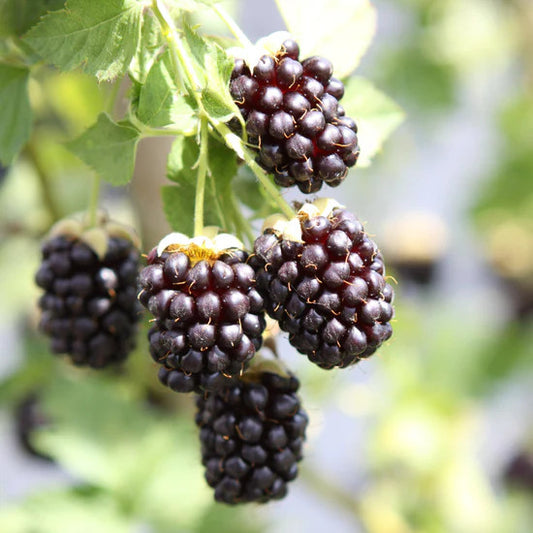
209 316
89 307
251 436
325 285
293 116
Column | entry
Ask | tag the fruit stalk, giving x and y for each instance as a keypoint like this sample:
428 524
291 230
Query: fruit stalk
200 180
179 52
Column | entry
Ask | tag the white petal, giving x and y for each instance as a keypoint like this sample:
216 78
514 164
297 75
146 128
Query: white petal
178 239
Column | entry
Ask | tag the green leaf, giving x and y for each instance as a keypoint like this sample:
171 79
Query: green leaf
18 16
150 43
216 97
109 149
376 115
178 204
101 36
181 160
159 101
216 66
226 519
178 201
198 46
51 512
15 111
418 77
108 439
35 370
340 30
508 194
216 105
222 165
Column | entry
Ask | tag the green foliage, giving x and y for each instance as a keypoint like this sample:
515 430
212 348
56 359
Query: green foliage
18 16
160 103
137 466
436 353
100 36
151 43
109 149
417 77
178 204
509 192
227 520
15 112
340 30
50 512
377 116
103 448
178 200
214 67
172 87
36 371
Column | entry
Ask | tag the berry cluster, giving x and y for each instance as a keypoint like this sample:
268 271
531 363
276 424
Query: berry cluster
293 116
322 279
252 435
89 308
209 316
318 275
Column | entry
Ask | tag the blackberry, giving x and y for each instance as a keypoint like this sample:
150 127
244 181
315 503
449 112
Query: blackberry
209 317
89 307
322 278
294 119
251 437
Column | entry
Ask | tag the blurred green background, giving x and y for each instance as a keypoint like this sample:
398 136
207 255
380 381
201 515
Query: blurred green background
432 435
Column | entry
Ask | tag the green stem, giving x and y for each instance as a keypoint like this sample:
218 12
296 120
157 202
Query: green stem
149 131
92 209
271 189
200 180
169 32
229 137
44 181
177 51
232 26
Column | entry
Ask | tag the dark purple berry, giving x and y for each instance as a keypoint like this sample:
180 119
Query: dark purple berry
292 114
288 72
269 99
299 147
209 325
296 104
281 125
335 87
264 71
83 308
332 298
318 67
251 436
312 123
